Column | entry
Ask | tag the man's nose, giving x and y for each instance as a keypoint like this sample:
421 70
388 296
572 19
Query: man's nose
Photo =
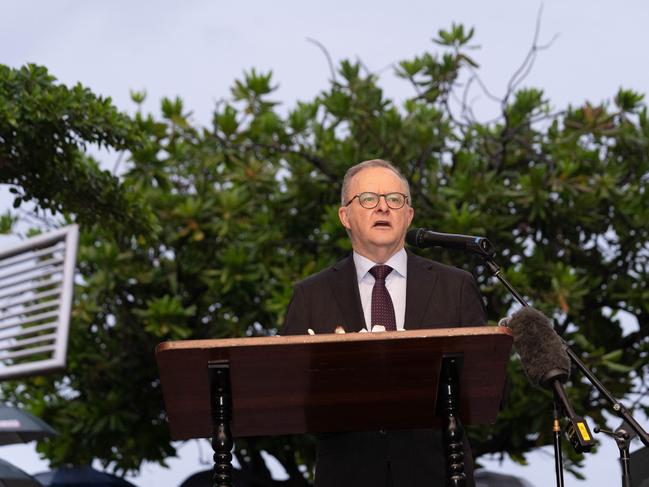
383 203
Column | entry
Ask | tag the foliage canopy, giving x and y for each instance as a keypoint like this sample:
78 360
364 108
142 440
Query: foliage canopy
45 129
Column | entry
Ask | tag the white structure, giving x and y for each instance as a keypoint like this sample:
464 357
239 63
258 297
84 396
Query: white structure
36 283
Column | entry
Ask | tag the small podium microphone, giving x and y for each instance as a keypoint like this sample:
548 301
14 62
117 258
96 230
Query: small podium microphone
423 238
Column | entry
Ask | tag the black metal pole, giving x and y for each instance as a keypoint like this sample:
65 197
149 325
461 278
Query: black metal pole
623 439
556 433
453 431
221 403
617 406
495 270
625 465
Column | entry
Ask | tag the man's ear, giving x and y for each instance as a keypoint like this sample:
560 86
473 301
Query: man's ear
342 216
411 214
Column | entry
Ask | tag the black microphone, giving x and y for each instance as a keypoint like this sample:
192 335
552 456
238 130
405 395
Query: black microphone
546 363
422 238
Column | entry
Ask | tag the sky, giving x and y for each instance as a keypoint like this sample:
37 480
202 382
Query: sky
195 49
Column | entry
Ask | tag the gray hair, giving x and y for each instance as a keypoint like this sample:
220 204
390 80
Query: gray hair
354 170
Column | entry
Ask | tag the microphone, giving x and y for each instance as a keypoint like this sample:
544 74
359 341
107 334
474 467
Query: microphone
423 238
539 347
546 363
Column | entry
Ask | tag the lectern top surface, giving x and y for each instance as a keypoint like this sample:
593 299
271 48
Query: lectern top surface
331 338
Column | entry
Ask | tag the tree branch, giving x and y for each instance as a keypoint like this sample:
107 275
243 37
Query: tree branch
318 44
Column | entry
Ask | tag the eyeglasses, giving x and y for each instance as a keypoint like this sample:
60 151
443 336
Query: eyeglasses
370 200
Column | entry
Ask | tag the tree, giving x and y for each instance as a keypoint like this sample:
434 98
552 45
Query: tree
249 206
45 129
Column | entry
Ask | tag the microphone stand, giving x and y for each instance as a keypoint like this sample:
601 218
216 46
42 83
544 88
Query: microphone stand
484 249
556 428
623 440
487 252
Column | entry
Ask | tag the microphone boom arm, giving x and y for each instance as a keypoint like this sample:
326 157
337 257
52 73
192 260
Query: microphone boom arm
495 270
618 408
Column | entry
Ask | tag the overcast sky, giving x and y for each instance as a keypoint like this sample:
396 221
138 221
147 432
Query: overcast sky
195 49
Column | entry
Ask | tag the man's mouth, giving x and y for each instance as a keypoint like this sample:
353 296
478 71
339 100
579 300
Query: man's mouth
382 224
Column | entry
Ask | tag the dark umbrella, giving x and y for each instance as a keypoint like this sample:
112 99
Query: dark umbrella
18 426
11 476
80 477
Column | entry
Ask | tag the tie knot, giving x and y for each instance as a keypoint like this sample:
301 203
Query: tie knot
380 272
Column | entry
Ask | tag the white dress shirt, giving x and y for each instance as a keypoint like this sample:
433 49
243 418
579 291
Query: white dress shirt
395 282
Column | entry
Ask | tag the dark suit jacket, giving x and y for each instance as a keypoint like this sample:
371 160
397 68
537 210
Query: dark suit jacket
437 296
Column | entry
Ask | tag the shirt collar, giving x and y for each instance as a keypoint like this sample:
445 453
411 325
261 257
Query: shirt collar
398 262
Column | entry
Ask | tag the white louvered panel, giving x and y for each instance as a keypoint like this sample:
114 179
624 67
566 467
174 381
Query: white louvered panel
19 332
29 352
36 297
15 259
36 280
28 319
31 309
37 287
7 346
30 279
47 267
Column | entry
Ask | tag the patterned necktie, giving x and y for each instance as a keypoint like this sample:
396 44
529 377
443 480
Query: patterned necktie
382 309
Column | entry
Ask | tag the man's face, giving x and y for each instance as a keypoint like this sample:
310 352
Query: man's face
380 232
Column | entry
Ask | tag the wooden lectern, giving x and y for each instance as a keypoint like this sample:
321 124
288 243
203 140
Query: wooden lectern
277 385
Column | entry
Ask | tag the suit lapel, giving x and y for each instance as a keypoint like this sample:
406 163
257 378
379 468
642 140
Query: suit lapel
344 286
419 290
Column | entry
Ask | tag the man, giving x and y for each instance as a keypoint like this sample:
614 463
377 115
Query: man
382 286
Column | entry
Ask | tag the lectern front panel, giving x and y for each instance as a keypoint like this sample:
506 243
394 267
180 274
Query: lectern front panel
327 383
